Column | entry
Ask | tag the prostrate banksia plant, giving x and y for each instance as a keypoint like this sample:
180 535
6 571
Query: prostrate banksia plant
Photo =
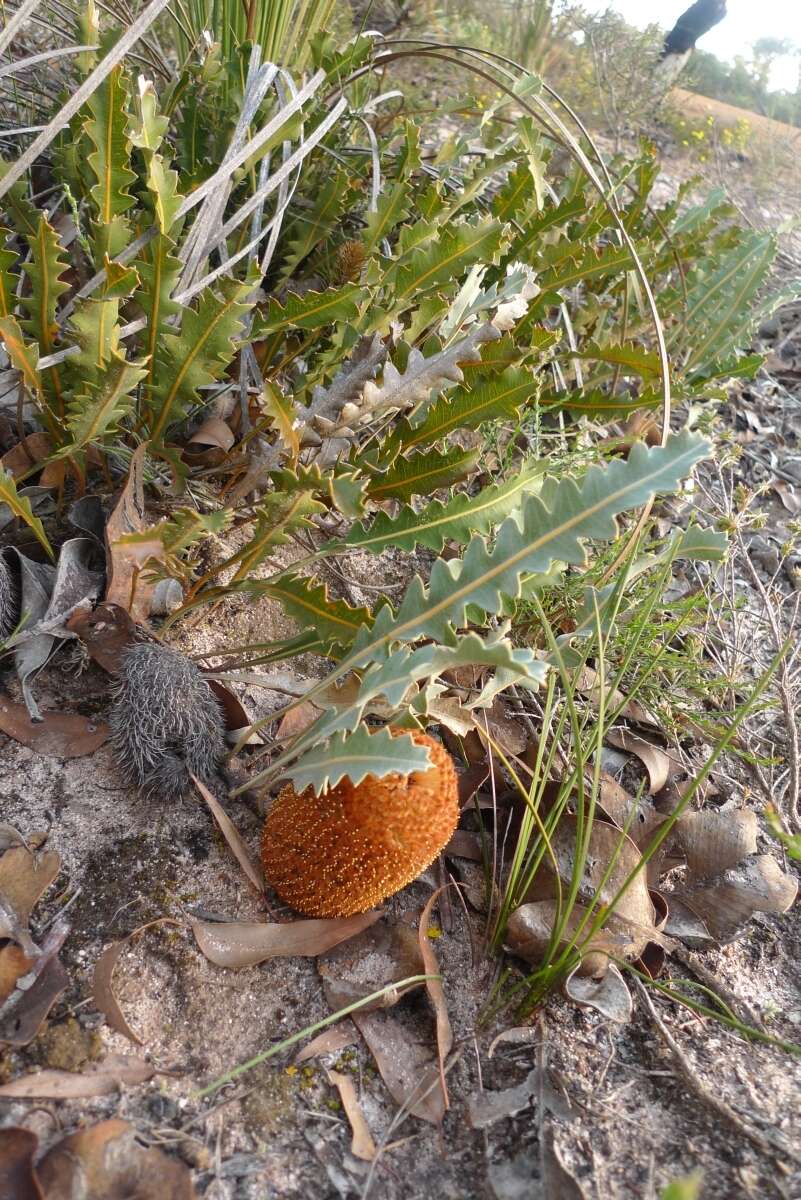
165 721
348 849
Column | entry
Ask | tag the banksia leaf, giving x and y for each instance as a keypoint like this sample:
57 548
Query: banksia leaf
9 280
196 356
99 410
276 517
24 355
148 133
456 521
310 312
596 403
315 225
421 474
632 359
45 270
455 250
612 260
358 755
335 622
107 129
21 508
158 274
467 408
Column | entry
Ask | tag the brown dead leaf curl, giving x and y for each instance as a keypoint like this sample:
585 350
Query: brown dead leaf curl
345 851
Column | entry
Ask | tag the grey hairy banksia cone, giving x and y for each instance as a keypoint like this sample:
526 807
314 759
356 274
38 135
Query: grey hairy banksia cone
165 721
9 599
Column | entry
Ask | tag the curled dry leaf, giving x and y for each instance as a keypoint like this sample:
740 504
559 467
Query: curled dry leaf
608 995
658 763
127 585
727 901
24 878
26 1008
210 443
27 454
106 1162
362 1145
330 1041
17 1150
99 1079
590 685
518 1035
713 840
57 735
244 944
237 719
385 954
232 837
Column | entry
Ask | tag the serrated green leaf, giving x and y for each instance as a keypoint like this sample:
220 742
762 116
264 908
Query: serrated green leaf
103 405
632 358
9 280
149 131
457 520
552 527
196 356
611 260
456 249
163 184
276 517
357 755
21 508
280 412
107 129
596 403
467 408
158 275
311 311
422 474
45 270
310 229
24 355
334 622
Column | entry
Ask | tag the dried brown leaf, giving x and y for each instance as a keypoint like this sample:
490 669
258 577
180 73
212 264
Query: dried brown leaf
243 944
25 877
27 1010
407 1067
58 735
127 585
726 902
436 993
99 1079
105 1162
362 1145
713 840
14 963
232 837
17 1179
657 762
210 443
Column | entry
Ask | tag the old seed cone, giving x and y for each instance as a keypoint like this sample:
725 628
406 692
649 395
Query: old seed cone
342 852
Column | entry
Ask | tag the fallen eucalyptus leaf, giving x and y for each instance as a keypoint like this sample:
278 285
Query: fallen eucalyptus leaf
436 993
383 954
408 1068
657 762
99 1079
25 877
244 944
127 585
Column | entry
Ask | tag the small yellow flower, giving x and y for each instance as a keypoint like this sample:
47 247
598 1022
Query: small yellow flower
434 932
291 1071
